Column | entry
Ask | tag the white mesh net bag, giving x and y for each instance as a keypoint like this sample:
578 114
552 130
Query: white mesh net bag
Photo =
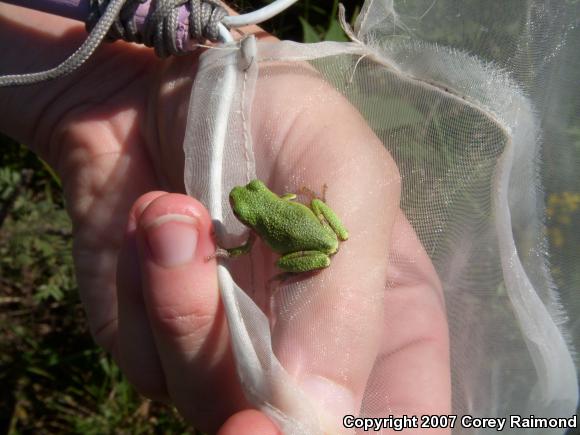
442 302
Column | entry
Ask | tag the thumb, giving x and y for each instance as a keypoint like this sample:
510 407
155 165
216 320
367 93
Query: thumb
183 307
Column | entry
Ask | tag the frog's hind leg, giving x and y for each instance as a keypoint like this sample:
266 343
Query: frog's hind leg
324 189
312 195
303 261
287 278
309 193
328 216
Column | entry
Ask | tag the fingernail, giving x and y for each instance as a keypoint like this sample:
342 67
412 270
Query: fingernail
172 239
334 398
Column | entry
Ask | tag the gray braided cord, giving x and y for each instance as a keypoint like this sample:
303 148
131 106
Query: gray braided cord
161 26
124 26
115 19
204 19
76 59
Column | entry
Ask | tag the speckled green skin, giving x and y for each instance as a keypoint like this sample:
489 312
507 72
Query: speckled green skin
306 237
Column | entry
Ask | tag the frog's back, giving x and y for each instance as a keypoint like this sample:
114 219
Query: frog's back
291 227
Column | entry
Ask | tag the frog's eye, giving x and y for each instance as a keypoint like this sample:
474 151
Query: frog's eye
255 185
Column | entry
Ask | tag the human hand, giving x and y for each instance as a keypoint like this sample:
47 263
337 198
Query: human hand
113 131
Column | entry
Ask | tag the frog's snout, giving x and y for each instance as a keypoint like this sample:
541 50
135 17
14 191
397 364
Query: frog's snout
235 199
232 202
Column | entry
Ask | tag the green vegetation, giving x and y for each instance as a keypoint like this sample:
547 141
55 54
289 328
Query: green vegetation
53 378
307 20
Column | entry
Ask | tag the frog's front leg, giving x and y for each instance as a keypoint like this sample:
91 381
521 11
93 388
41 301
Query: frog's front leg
288 196
303 261
327 215
237 251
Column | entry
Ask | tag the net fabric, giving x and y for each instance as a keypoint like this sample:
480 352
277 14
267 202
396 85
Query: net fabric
480 119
